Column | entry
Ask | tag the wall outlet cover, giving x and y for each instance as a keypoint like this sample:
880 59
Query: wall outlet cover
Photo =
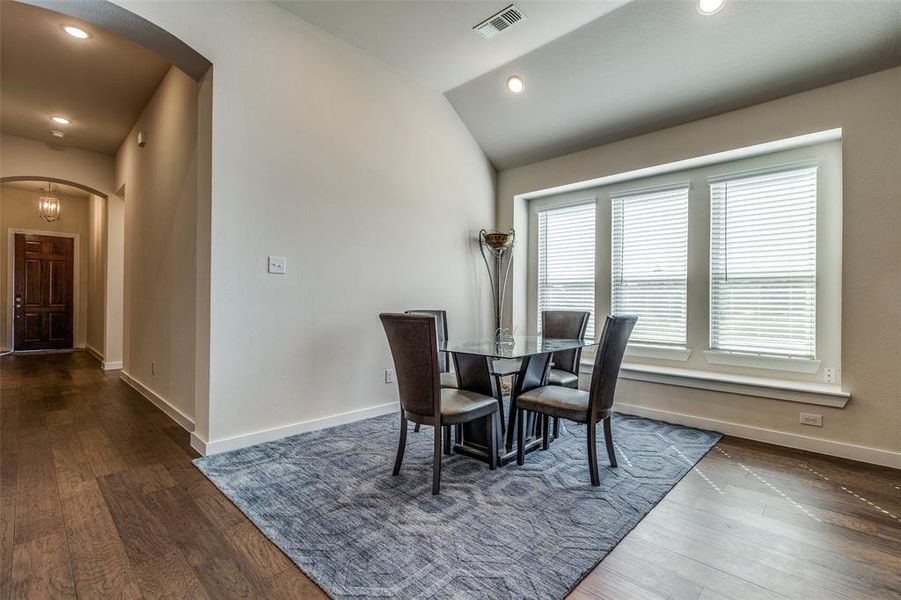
389 375
278 265
811 419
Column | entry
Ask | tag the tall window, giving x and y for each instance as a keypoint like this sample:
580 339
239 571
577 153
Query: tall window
763 263
650 263
566 238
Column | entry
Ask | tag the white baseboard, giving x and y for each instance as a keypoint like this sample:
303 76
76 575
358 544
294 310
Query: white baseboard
160 402
112 366
94 352
267 435
865 454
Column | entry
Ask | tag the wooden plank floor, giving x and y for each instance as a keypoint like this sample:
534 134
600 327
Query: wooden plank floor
98 499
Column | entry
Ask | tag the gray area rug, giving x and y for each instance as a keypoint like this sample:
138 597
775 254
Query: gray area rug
328 500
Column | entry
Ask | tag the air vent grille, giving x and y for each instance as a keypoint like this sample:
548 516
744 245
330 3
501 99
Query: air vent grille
499 22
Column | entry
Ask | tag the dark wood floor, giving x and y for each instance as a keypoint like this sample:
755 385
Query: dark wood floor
98 498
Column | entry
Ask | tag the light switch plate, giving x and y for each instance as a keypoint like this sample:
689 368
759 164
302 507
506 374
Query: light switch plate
278 265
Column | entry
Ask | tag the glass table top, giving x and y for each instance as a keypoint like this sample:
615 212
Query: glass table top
518 346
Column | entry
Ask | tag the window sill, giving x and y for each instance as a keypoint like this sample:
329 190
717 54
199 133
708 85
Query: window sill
758 361
661 352
760 387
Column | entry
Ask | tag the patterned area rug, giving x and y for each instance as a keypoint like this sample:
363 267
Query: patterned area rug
328 500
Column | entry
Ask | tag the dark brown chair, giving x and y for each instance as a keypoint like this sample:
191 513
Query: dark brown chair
583 407
447 377
567 325
414 346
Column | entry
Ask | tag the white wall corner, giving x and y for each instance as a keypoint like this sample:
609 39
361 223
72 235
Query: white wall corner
112 366
164 405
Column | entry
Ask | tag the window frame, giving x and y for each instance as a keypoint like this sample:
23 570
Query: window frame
535 208
646 347
826 150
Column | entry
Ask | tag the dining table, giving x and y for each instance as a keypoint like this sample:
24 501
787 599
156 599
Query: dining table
480 365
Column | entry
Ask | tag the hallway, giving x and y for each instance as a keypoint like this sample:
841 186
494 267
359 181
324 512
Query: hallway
99 498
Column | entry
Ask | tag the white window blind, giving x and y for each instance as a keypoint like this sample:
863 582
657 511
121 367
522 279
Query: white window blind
566 241
763 263
650 263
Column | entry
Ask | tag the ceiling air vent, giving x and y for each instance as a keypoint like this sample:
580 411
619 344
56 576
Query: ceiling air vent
497 23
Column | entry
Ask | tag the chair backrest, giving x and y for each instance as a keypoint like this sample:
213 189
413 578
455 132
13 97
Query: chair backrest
609 357
414 347
440 317
565 325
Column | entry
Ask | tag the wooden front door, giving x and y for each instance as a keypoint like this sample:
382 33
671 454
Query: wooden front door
43 292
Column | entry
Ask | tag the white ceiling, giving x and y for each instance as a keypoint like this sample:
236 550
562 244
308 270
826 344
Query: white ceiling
433 41
658 63
101 83
41 186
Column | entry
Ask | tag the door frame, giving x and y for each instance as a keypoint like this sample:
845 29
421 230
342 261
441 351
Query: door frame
11 279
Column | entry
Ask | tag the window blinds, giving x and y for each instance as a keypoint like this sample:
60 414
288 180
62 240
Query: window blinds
763 263
650 263
566 251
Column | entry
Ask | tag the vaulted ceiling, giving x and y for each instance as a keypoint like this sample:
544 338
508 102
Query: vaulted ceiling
596 72
101 83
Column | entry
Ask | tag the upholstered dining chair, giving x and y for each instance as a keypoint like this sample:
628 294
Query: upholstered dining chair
583 407
448 377
568 325
414 347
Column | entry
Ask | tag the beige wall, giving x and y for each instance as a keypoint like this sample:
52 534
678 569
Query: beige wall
96 289
365 180
868 110
160 191
19 209
23 157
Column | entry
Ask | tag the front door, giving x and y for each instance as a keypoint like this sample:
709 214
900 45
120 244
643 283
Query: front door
43 292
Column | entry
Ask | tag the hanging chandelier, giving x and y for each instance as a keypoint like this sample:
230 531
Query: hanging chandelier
48 205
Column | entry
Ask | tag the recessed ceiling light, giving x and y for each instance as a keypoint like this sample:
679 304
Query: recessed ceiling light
60 120
515 84
57 134
76 32
710 7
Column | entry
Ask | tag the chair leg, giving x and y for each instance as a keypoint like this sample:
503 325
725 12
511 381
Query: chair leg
608 437
416 428
545 431
520 437
556 427
447 439
492 441
436 462
593 454
401 444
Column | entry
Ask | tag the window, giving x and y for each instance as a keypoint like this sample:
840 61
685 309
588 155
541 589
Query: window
763 263
566 251
650 263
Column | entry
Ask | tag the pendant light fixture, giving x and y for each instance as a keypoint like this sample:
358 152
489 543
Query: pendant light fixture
48 205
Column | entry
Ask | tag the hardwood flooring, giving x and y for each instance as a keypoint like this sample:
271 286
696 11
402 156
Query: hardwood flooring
98 498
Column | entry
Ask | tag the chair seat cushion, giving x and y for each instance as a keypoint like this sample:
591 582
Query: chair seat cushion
448 380
563 378
556 401
460 406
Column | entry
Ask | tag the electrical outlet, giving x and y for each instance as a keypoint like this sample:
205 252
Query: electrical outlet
389 375
829 375
811 419
153 368
278 265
